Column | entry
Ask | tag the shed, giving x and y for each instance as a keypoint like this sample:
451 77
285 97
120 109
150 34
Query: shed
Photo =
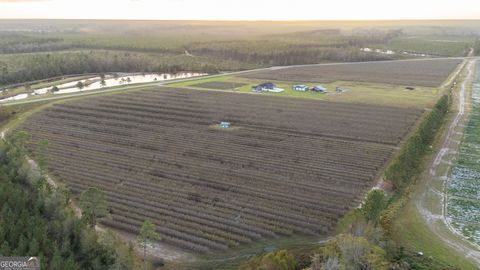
300 87
319 88
224 125
275 90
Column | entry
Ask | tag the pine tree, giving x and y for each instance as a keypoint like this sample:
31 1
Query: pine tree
94 205
22 247
57 261
5 249
33 247
147 234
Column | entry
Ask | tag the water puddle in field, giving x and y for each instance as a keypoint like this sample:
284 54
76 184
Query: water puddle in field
392 52
17 97
463 206
96 83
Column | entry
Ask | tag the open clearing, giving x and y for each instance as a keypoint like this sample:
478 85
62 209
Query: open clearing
355 92
425 72
290 166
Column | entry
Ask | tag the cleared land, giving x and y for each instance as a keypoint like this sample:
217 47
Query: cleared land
220 85
428 72
355 92
288 165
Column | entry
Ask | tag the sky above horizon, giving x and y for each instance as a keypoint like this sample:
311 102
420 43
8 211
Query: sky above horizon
240 9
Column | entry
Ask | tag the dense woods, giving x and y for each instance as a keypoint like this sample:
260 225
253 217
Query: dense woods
26 56
27 67
476 48
296 48
61 57
36 219
76 47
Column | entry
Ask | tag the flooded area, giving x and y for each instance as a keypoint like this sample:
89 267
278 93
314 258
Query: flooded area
391 52
96 83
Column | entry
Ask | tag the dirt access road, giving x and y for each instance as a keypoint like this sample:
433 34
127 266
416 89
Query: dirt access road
431 200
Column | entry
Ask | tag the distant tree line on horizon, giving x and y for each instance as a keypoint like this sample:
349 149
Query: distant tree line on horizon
30 67
476 47
34 56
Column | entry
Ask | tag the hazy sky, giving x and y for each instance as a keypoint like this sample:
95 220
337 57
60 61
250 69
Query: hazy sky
241 9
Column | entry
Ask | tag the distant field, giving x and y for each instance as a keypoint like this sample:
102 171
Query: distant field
432 45
428 72
287 166
220 85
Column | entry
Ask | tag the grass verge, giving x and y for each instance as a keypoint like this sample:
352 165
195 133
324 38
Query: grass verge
354 92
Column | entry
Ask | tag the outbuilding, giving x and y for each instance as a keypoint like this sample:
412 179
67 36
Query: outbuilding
224 124
300 87
319 88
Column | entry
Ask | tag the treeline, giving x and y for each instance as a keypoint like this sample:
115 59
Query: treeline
293 55
29 67
36 219
294 49
407 164
476 47
58 54
19 43
176 43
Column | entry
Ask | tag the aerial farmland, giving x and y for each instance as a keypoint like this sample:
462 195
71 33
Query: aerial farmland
285 166
429 73
238 145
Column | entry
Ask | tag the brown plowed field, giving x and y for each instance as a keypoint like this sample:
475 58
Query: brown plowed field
286 166
427 72
219 85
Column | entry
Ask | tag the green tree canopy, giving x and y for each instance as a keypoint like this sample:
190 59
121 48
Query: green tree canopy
93 205
147 235
373 205
80 85
279 260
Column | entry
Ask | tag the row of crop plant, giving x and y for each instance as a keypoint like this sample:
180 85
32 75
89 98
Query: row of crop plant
463 205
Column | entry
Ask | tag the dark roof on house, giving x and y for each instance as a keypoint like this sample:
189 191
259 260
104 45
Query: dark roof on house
268 85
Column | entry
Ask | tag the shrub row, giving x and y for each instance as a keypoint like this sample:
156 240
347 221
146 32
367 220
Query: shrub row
403 169
407 163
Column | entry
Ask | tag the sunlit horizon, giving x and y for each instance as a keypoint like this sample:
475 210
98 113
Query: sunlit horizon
247 10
